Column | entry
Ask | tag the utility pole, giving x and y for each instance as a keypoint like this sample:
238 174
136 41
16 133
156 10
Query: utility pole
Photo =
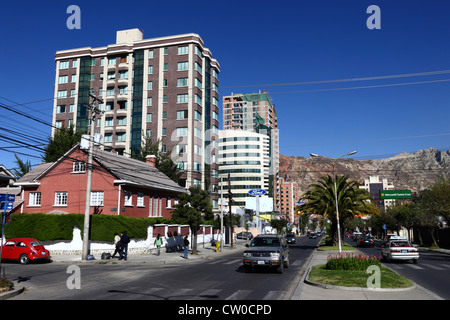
94 112
229 210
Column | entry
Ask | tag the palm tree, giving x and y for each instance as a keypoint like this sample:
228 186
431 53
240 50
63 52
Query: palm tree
352 201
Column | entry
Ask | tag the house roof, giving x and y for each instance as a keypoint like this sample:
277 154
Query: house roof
135 172
126 170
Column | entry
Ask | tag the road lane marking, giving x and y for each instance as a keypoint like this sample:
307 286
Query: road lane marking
239 295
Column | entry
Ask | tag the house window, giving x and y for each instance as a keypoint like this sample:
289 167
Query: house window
34 199
79 166
60 198
97 198
140 200
128 198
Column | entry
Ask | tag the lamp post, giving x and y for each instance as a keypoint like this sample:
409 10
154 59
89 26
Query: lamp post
335 195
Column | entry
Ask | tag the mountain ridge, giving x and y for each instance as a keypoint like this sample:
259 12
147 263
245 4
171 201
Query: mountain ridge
411 171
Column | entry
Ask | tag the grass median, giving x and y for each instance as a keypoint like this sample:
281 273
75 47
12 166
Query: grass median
356 278
353 278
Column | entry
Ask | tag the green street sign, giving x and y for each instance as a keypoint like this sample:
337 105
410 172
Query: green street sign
395 194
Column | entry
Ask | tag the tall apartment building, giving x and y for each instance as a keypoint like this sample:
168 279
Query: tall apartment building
256 113
245 157
165 88
288 196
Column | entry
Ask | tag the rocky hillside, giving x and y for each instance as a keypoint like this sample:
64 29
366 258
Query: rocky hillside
414 171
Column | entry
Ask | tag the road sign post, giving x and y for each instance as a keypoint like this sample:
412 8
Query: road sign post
257 193
7 201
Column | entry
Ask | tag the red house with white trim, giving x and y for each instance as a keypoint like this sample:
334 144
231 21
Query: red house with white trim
120 186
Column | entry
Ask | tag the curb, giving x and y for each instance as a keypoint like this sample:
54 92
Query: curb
11 293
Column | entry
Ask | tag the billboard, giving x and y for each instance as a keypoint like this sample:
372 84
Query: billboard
265 204
395 194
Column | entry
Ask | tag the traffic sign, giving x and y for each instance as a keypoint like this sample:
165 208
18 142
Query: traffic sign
257 192
7 197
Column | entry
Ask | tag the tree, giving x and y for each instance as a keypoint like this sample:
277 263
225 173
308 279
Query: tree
163 160
278 224
63 140
24 167
193 208
352 201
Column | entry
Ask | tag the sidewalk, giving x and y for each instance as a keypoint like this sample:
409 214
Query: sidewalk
307 290
204 252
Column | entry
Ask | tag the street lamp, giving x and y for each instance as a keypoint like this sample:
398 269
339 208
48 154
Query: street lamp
335 194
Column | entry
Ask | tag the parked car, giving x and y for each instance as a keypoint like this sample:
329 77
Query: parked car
312 235
356 236
290 238
268 251
244 235
365 242
25 250
399 248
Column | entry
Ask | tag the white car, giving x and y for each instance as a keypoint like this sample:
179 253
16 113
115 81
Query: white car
399 248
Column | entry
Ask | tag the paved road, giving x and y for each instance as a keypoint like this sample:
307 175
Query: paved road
431 272
219 278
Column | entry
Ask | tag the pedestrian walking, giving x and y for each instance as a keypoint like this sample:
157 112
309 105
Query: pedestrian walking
186 247
117 245
124 239
158 243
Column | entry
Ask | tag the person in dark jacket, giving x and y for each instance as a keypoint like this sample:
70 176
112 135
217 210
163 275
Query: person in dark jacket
124 239
186 247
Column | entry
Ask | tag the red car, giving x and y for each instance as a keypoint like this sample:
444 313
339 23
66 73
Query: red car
25 250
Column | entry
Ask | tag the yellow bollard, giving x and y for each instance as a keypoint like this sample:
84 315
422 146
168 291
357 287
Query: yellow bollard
217 246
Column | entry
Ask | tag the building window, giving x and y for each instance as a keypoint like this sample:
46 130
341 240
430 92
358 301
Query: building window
60 198
182 132
60 109
183 50
96 198
197 115
182 66
34 199
182 82
182 98
79 166
64 65
140 200
182 114
108 137
63 79
62 94
128 198
149 117
121 136
150 69
122 121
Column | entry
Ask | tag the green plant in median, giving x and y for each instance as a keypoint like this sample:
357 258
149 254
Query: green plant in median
351 262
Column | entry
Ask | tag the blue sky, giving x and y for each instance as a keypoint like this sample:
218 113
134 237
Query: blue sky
278 46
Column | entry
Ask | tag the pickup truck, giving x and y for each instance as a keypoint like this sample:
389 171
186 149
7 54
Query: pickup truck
267 251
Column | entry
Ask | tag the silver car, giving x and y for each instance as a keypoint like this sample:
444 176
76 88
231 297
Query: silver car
267 251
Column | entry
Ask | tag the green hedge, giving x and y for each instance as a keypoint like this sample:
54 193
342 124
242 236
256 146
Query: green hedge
45 227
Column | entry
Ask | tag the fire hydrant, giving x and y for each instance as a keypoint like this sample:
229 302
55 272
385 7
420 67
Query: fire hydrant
217 246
